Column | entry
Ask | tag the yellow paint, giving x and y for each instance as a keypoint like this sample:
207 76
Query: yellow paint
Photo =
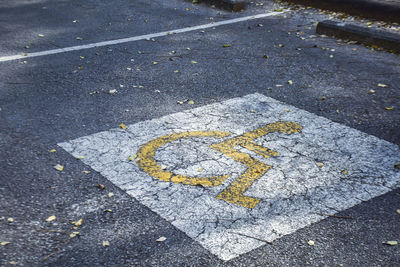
234 192
256 168
147 161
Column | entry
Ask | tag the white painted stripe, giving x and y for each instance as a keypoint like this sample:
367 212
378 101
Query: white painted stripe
325 168
137 38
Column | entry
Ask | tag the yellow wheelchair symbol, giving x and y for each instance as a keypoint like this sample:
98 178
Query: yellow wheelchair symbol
234 192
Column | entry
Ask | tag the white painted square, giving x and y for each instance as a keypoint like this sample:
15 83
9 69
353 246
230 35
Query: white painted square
291 192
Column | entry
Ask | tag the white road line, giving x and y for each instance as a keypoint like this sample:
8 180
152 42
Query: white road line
137 38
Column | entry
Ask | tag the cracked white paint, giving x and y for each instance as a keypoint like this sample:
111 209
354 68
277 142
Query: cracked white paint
291 193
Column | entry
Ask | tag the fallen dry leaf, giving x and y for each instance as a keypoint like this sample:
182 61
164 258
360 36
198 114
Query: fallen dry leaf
193 62
132 157
101 186
52 150
73 234
227 45
290 82
389 108
85 172
51 218
371 91
80 157
191 102
320 164
112 91
10 219
110 194
161 239
123 126
397 166
106 243
311 242
390 243
59 167
345 171
77 223
41 35
4 243
163 167
382 85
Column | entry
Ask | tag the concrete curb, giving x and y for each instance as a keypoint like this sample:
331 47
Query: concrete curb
373 9
386 40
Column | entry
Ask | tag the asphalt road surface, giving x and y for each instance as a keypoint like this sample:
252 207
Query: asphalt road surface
166 133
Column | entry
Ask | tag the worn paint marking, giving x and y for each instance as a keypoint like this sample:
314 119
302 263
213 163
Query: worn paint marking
148 163
305 181
256 168
234 192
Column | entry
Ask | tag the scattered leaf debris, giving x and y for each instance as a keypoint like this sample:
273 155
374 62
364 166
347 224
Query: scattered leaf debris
161 239
163 167
132 157
51 218
101 186
73 234
77 223
390 243
59 167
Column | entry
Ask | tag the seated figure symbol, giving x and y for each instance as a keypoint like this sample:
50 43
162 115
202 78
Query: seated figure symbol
233 193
